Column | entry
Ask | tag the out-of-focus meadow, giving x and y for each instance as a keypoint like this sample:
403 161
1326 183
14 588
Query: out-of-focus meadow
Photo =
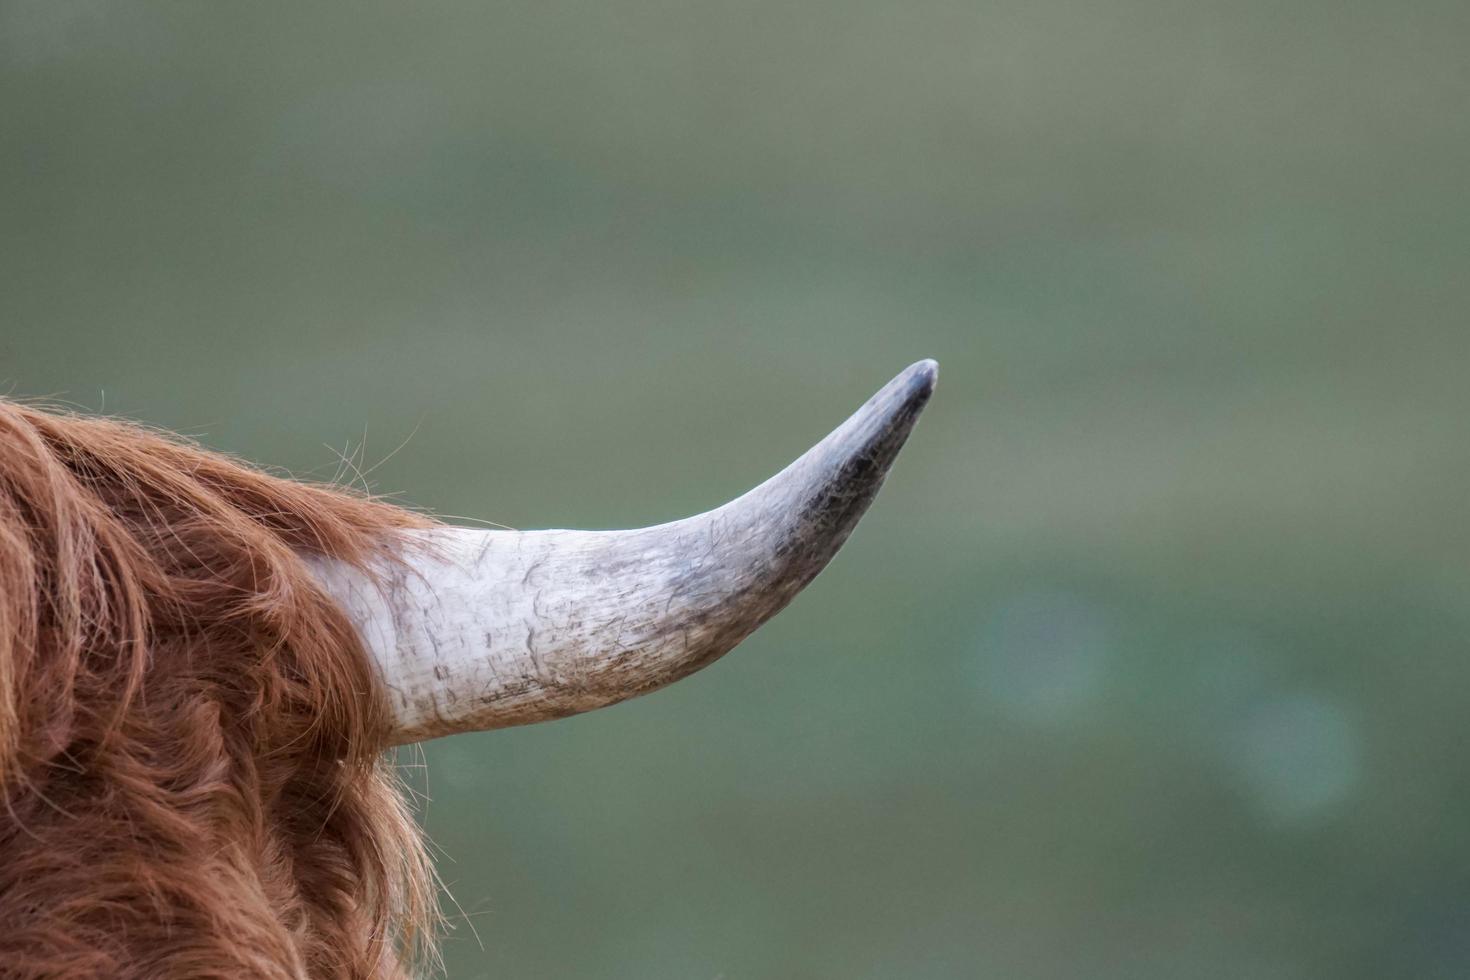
1152 659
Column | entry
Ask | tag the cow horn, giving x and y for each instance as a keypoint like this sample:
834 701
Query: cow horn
476 629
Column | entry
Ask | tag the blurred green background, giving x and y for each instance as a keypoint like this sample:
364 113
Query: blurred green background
1150 662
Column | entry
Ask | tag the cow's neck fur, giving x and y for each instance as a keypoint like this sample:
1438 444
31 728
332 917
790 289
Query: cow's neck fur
191 780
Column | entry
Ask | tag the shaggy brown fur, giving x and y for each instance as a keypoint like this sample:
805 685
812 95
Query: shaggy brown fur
191 777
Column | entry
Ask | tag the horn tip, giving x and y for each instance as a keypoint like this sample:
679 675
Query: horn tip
921 377
879 429
907 394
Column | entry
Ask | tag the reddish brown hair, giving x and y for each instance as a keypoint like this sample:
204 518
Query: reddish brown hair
191 771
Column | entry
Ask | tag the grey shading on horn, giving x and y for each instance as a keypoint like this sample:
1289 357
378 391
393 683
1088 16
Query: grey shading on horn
477 629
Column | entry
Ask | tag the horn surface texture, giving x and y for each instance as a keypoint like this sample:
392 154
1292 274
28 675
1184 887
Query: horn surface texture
477 629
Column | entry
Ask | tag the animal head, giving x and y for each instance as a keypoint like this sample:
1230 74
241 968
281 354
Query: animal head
201 666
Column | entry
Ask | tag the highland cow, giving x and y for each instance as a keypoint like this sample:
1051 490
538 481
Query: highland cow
202 665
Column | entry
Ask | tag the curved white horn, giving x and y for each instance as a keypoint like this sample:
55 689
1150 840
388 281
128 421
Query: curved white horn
480 629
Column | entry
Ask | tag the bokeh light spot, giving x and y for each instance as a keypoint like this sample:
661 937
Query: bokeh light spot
1298 756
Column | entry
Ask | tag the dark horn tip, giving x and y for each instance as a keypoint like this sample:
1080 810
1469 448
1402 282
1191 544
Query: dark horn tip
857 456
918 381
923 376
902 400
